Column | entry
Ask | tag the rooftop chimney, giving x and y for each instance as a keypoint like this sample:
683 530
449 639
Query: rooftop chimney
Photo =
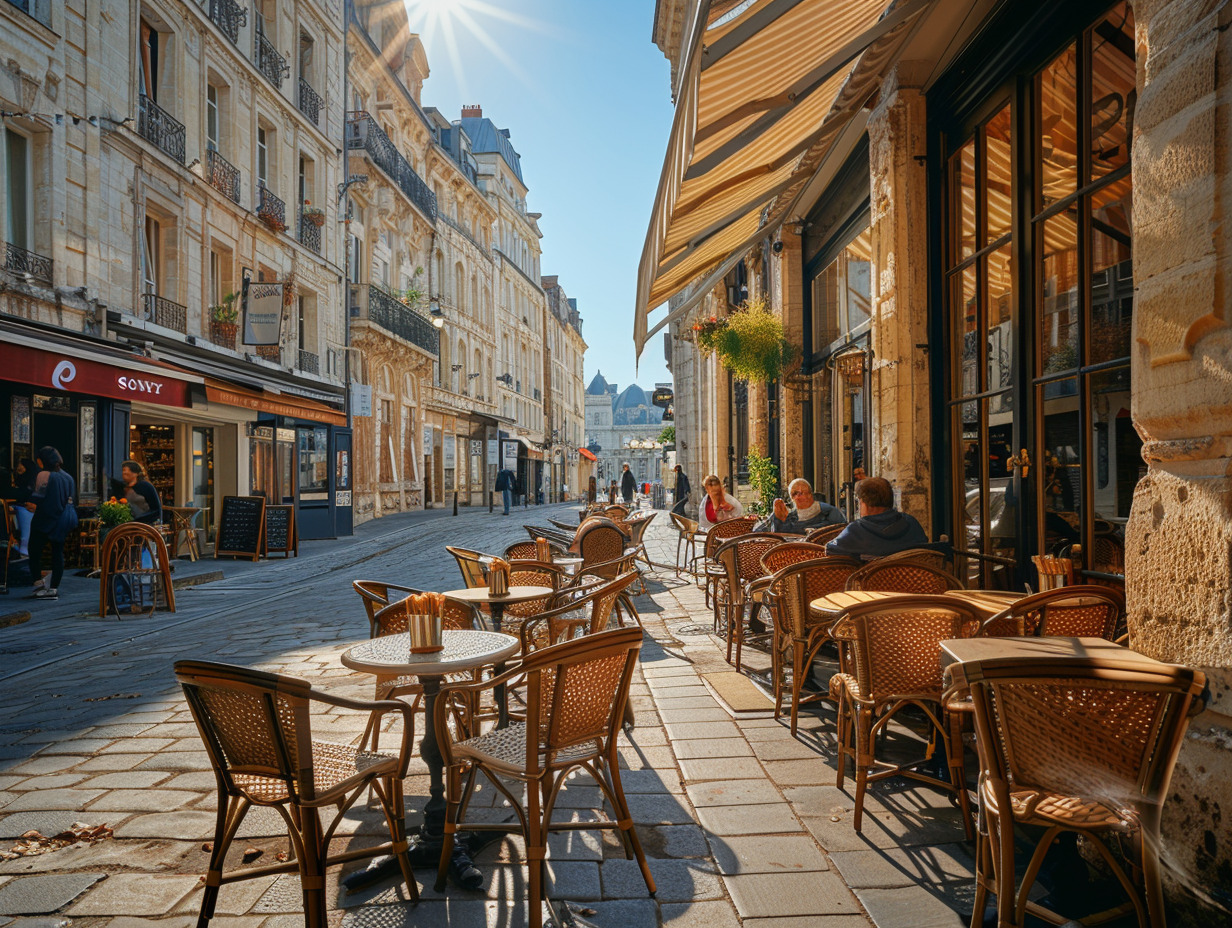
475 111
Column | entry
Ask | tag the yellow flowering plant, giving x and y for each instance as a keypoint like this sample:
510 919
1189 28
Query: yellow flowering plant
114 512
750 342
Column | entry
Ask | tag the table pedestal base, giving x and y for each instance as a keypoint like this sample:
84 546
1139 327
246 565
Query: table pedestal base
425 852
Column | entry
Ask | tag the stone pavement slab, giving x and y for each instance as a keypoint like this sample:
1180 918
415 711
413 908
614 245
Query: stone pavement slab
776 895
135 894
767 854
777 818
38 895
733 792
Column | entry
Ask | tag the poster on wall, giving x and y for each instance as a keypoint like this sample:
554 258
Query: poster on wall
509 455
262 303
450 451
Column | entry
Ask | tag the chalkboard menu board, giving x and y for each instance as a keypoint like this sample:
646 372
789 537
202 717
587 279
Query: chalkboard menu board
281 535
241 530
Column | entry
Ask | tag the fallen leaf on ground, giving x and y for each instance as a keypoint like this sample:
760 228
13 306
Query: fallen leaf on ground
34 843
251 854
113 696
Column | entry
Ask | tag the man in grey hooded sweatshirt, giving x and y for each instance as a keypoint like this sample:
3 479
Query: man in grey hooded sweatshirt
881 529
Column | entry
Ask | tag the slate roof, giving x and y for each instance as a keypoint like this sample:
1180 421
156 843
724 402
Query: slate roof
485 137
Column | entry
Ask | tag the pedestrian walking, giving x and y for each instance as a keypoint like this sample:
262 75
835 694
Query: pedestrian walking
505 482
682 491
628 485
55 517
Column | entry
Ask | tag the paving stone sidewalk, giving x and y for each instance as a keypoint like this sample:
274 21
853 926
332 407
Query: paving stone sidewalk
742 822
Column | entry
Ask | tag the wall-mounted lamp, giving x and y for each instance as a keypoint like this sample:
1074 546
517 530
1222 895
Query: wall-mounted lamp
438 314
851 365
474 375
455 367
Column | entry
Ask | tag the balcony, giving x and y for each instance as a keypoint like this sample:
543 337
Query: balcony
27 263
160 128
270 353
222 175
269 62
223 334
271 210
379 308
308 362
364 133
310 102
228 16
164 312
309 233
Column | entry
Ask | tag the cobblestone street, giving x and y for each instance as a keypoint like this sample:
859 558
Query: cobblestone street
742 822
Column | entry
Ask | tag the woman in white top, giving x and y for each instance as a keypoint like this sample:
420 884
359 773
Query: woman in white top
717 505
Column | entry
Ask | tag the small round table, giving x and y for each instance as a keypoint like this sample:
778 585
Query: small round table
463 649
835 605
987 602
481 596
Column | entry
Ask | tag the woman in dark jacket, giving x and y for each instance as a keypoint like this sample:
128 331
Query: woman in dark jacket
54 517
23 487
143 501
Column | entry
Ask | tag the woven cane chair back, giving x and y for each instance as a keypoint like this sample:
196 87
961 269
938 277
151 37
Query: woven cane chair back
931 557
725 531
1079 611
473 574
797 585
255 726
127 549
376 595
1098 729
902 576
819 536
522 551
533 573
600 543
587 614
789 553
392 620
895 647
616 512
741 557
637 527
1107 554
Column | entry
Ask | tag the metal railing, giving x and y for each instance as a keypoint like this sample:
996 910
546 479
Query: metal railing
310 101
164 312
457 226
363 132
159 127
270 353
222 175
270 63
19 261
228 16
309 363
223 333
309 233
380 308
271 210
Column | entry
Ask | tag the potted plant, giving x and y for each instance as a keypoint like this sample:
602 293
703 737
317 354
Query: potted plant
110 514
312 214
764 480
750 342
224 321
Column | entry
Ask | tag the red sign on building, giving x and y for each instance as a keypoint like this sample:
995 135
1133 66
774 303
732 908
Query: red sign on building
137 381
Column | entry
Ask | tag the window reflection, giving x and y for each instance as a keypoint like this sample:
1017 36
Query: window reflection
1113 90
1058 127
1060 322
998 139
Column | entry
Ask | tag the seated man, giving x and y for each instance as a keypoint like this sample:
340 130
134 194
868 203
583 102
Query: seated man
807 512
881 529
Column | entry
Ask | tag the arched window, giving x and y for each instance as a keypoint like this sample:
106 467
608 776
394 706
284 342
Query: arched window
459 292
458 377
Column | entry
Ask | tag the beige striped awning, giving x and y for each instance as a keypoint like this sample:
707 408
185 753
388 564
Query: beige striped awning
768 87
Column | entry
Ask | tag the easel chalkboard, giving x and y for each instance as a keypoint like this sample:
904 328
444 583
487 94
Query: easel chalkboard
241 529
281 533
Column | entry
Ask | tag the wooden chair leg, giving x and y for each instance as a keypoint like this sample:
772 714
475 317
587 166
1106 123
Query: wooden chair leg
312 869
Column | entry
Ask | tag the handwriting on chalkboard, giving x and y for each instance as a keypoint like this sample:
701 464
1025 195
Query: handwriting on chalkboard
281 535
241 529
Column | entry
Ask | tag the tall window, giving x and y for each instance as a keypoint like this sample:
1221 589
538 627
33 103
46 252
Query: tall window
19 189
264 141
212 121
152 255
151 59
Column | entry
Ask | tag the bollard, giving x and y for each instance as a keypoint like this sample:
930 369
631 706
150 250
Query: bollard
455 502
491 501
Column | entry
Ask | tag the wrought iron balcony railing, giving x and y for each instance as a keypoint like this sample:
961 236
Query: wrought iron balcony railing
271 210
363 132
309 363
164 312
310 102
19 261
309 233
223 333
228 16
270 63
394 316
270 353
222 175
159 127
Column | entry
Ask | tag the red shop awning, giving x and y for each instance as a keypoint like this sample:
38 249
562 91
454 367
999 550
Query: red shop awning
587 454
77 369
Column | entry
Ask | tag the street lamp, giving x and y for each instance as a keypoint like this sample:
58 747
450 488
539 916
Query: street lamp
437 314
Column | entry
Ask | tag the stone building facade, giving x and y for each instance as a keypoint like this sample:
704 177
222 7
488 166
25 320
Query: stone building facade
565 425
622 427
1005 280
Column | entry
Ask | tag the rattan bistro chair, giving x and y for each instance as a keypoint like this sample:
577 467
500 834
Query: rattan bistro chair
1085 745
376 595
473 573
892 661
894 575
258 733
137 553
825 534
1079 611
575 698
703 566
687 539
740 560
798 633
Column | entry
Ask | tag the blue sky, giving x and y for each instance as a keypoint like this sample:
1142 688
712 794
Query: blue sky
585 95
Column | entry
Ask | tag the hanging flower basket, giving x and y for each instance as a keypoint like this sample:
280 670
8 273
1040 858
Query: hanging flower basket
272 221
750 342
314 216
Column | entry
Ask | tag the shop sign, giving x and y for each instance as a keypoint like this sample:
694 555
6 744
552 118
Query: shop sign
361 399
450 450
491 450
342 498
509 455
48 369
263 302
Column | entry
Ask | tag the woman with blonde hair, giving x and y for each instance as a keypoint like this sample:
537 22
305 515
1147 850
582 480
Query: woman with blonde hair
718 505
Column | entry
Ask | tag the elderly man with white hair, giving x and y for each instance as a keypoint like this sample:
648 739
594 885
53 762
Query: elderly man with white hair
807 512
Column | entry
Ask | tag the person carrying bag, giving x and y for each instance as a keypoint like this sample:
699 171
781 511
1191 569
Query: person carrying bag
55 518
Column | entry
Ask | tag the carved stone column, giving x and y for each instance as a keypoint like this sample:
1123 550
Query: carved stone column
792 395
900 449
1178 549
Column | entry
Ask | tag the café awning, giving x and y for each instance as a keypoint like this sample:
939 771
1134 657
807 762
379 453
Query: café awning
587 454
767 89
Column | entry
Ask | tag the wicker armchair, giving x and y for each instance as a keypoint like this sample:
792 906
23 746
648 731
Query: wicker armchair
798 633
1083 745
940 556
636 527
1079 611
827 533
774 560
571 617
136 553
703 567
258 733
894 575
376 595
892 662
687 540
576 694
469 562
740 560
610 570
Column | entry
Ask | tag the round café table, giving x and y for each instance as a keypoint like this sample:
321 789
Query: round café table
481 596
987 602
834 605
464 649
